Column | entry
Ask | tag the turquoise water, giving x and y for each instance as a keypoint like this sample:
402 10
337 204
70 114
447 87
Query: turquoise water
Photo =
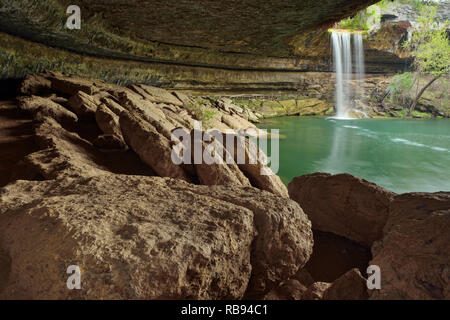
402 155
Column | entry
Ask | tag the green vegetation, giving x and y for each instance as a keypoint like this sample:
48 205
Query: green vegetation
365 19
20 57
430 49
203 112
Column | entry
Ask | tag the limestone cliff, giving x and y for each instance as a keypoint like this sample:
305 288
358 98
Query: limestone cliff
206 46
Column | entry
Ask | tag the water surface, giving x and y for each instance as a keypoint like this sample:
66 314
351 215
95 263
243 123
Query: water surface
402 155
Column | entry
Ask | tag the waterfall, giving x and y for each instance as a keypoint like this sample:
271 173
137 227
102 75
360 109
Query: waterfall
346 90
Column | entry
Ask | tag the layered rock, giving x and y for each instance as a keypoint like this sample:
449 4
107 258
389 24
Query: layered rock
46 107
137 237
152 147
148 115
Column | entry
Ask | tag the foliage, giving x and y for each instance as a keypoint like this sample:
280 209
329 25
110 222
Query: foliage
429 44
365 19
400 83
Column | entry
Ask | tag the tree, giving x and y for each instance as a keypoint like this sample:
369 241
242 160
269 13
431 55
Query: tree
430 49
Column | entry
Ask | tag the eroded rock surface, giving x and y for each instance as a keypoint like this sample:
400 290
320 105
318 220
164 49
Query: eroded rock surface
136 236
414 254
343 204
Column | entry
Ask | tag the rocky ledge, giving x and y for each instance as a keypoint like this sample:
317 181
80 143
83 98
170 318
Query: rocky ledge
95 187
99 190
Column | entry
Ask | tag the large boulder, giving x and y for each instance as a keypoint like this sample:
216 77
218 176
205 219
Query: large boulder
132 237
143 238
152 147
343 204
414 253
284 242
223 169
253 166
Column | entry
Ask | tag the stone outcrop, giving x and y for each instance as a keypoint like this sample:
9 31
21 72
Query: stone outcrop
143 118
46 107
152 147
216 48
136 236
83 105
35 84
411 251
343 204
296 107
133 241
414 253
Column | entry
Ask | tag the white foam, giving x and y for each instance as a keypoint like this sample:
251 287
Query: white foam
417 144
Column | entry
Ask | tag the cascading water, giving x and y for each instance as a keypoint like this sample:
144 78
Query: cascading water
346 90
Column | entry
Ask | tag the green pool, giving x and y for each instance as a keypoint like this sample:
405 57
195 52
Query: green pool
402 155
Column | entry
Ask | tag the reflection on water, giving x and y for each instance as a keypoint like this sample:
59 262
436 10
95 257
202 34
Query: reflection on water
401 155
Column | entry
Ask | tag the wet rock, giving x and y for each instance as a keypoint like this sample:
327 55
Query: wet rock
350 286
343 204
46 107
414 253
